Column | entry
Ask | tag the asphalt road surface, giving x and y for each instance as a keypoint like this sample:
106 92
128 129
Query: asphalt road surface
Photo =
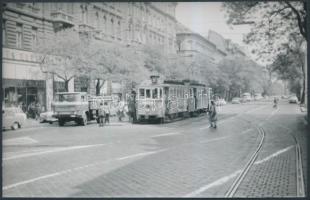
184 158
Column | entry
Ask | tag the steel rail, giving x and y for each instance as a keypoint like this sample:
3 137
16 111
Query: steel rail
300 184
300 177
232 190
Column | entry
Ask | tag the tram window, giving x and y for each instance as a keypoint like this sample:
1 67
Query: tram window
160 93
141 94
148 93
154 93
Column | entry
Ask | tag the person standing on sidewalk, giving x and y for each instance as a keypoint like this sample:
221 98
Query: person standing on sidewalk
212 115
101 114
107 112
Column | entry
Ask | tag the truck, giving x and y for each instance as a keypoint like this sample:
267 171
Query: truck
77 106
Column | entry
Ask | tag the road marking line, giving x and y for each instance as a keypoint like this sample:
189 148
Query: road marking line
166 134
211 140
213 184
19 141
52 175
202 128
274 155
52 151
76 169
137 155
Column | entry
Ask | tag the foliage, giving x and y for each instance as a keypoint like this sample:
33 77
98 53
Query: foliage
277 29
290 66
111 62
239 75
61 55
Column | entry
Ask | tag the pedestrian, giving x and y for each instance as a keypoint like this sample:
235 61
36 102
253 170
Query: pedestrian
31 110
275 102
212 115
120 111
37 110
132 108
107 112
101 114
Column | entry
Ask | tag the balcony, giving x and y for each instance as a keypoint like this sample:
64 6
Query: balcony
86 28
62 19
98 34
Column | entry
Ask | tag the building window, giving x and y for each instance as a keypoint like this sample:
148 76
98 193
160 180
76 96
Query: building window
34 36
4 36
112 28
19 35
97 21
105 23
119 29
84 15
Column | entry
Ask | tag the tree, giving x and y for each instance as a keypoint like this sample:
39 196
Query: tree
112 62
61 55
237 75
290 66
276 27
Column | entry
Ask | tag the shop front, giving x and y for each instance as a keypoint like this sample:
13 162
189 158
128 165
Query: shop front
24 92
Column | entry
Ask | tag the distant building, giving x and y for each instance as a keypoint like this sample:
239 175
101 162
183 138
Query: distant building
190 44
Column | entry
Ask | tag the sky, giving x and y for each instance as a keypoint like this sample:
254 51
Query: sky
201 17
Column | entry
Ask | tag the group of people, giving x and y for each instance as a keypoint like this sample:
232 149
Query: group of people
33 110
104 112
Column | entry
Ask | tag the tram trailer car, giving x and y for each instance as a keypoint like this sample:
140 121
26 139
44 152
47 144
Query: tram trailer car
162 99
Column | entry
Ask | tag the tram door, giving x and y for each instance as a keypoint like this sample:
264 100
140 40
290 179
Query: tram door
166 95
195 97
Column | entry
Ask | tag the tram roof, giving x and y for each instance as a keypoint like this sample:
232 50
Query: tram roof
71 93
171 82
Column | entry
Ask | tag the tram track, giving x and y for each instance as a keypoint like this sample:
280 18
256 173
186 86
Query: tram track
300 185
301 192
234 187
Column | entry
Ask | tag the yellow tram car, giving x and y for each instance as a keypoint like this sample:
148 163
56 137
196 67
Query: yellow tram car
168 99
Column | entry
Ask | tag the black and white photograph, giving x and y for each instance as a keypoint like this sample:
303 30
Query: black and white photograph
106 99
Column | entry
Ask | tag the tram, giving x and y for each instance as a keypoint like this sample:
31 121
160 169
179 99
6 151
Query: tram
168 99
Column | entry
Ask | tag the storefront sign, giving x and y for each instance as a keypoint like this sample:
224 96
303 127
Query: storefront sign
22 83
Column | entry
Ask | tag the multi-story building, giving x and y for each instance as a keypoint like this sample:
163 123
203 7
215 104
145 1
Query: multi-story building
126 23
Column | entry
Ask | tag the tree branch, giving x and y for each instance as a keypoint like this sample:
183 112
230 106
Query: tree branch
300 23
276 12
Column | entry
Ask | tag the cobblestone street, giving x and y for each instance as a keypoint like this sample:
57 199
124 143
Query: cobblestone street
179 159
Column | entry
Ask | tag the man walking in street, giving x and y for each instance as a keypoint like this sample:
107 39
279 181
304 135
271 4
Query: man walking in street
107 112
132 108
101 114
212 115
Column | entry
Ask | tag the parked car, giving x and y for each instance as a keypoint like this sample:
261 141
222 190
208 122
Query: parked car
13 117
235 100
246 97
293 99
284 96
47 117
257 97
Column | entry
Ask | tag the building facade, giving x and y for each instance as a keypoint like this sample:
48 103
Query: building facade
24 24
